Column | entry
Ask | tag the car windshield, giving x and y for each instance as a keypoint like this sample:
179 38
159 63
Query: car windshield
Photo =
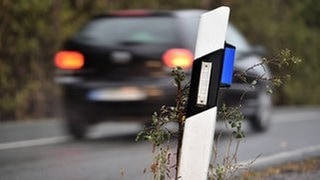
128 30
236 39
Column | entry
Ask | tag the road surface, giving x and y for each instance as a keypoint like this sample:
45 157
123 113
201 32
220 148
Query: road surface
37 150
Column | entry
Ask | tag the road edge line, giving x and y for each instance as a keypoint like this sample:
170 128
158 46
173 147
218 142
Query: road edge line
33 142
281 158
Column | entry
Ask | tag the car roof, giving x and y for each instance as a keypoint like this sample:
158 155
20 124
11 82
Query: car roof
233 36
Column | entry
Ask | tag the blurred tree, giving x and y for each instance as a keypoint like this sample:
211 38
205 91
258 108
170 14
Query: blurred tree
310 11
31 31
286 24
26 42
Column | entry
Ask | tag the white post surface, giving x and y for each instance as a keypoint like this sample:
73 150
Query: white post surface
212 31
197 143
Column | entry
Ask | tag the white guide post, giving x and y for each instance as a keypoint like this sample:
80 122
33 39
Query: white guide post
197 143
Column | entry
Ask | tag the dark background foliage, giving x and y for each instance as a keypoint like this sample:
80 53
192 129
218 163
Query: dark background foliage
31 31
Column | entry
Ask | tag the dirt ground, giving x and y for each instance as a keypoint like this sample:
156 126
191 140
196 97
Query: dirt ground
308 169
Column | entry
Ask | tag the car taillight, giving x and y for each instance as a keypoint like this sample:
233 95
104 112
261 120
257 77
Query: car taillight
178 57
69 60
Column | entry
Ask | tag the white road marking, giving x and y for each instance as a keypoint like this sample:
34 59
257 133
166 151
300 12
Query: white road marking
103 130
33 142
283 157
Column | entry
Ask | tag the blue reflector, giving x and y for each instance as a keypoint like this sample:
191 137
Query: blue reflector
227 68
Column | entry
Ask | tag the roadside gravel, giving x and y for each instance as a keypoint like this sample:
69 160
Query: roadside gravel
308 169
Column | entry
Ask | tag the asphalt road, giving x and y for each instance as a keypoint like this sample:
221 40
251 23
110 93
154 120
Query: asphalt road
37 150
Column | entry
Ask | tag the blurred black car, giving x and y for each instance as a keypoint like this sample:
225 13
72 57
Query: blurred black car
117 67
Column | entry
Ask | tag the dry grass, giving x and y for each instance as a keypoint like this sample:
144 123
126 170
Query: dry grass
302 167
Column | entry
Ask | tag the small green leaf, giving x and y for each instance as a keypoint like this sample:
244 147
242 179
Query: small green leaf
254 82
269 91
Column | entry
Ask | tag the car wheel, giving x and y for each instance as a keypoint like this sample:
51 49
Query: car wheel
76 123
260 121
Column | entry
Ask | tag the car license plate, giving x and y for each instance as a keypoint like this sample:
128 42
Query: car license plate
117 94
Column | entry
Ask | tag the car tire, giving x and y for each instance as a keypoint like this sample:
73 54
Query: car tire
76 123
260 121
